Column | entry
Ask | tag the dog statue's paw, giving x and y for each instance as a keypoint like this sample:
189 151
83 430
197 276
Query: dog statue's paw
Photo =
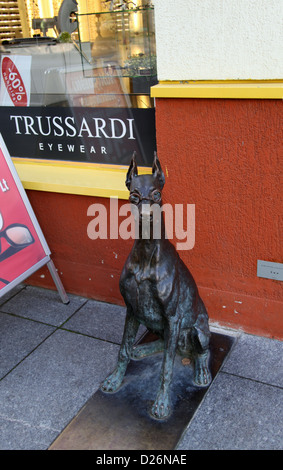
112 382
161 408
202 375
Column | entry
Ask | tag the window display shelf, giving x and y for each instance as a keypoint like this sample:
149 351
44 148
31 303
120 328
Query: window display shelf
122 44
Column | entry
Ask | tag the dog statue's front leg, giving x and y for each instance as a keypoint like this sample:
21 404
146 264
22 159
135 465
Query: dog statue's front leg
161 408
114 380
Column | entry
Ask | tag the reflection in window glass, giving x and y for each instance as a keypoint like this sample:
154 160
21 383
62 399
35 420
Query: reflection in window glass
76 78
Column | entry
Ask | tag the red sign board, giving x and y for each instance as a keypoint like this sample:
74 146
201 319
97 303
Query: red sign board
23 249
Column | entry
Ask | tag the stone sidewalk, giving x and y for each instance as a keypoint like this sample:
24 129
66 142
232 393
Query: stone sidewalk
54 357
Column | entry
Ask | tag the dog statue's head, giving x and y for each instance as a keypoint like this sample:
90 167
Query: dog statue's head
145 188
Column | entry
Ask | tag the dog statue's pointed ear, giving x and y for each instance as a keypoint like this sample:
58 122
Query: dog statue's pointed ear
132 171
157 171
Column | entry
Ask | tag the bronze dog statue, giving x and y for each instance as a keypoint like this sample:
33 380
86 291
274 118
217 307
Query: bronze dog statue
160 293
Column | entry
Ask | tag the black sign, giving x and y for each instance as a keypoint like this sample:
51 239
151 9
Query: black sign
94 135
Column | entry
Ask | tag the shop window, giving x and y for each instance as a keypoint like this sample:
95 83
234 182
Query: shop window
75 81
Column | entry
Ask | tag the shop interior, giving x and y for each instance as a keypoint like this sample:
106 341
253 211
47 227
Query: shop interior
90 53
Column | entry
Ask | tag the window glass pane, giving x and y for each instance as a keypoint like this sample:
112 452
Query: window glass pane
76 79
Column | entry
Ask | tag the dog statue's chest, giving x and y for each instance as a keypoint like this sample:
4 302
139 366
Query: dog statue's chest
143 266
142 294
140 285
141 282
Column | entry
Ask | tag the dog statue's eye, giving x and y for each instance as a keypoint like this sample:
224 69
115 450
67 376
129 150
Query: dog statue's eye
156 196
134 198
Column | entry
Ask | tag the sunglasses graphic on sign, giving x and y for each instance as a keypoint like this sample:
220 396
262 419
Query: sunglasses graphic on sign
18 237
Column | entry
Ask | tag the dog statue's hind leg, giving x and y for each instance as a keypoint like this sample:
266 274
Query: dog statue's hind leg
202 375
200 336
147 349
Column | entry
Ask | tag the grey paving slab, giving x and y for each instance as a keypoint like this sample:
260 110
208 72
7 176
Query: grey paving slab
42 305
51 385
237 414
101 320
257 358
15 435
11 293
18 337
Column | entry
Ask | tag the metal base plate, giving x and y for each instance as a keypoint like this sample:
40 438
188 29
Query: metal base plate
121 421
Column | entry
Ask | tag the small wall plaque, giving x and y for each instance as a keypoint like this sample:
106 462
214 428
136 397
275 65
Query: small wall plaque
270 270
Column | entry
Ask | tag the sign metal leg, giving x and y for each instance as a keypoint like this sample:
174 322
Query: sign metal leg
58 283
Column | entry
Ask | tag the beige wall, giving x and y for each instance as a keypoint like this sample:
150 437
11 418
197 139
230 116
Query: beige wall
219 39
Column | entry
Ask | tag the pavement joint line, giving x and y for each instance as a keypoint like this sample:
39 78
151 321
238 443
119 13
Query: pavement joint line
12 296
47 337
251 379
28 319
42 322
60 327
56 328
76 311
24 358
88 336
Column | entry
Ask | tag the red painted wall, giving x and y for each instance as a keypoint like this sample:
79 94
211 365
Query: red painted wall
224 156
87 267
